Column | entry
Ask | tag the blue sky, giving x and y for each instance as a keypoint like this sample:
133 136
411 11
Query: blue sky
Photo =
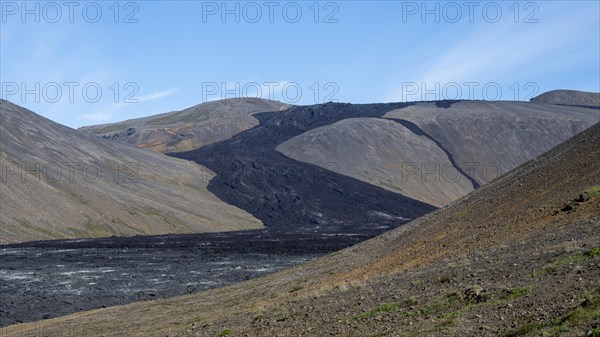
165 56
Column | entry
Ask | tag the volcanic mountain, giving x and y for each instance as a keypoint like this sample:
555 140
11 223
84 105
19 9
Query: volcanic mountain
58 183
333 168
569 97
190 128
436 153
518 256
290 170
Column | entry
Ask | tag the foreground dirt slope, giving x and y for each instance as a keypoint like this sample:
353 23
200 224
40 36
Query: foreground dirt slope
509 258
190 128
58 183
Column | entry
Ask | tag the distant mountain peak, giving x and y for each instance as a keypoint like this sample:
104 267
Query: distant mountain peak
569 97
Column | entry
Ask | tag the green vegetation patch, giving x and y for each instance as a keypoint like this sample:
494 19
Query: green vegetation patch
515 293
441 305
587 312
386 307
444 309
589 194
225 332
594 252
571 259
296 288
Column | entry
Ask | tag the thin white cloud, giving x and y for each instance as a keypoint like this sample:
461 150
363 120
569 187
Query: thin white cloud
96 117
103 113
157 95
106 112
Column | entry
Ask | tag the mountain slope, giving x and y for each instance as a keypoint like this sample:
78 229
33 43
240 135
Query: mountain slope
58 183
431 153
284 192
436 153
487 139
290 195
384 153
507 256
188 129
569 97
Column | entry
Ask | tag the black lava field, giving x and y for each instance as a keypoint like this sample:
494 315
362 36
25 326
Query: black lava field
308 211
54 278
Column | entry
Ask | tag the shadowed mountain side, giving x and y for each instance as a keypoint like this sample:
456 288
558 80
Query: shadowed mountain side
58 183
383 153
188 129
569 97
474 268
285 193
487 139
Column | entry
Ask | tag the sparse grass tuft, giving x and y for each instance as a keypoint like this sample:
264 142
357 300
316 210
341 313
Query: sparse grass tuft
225 332
515 293
386 307
587 312
281 318
475 294
553 266
296 288
440 305
522 330
594 252
589 194
119 221
572 259
445 278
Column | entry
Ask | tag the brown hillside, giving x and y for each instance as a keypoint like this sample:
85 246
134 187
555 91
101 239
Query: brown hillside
108 188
